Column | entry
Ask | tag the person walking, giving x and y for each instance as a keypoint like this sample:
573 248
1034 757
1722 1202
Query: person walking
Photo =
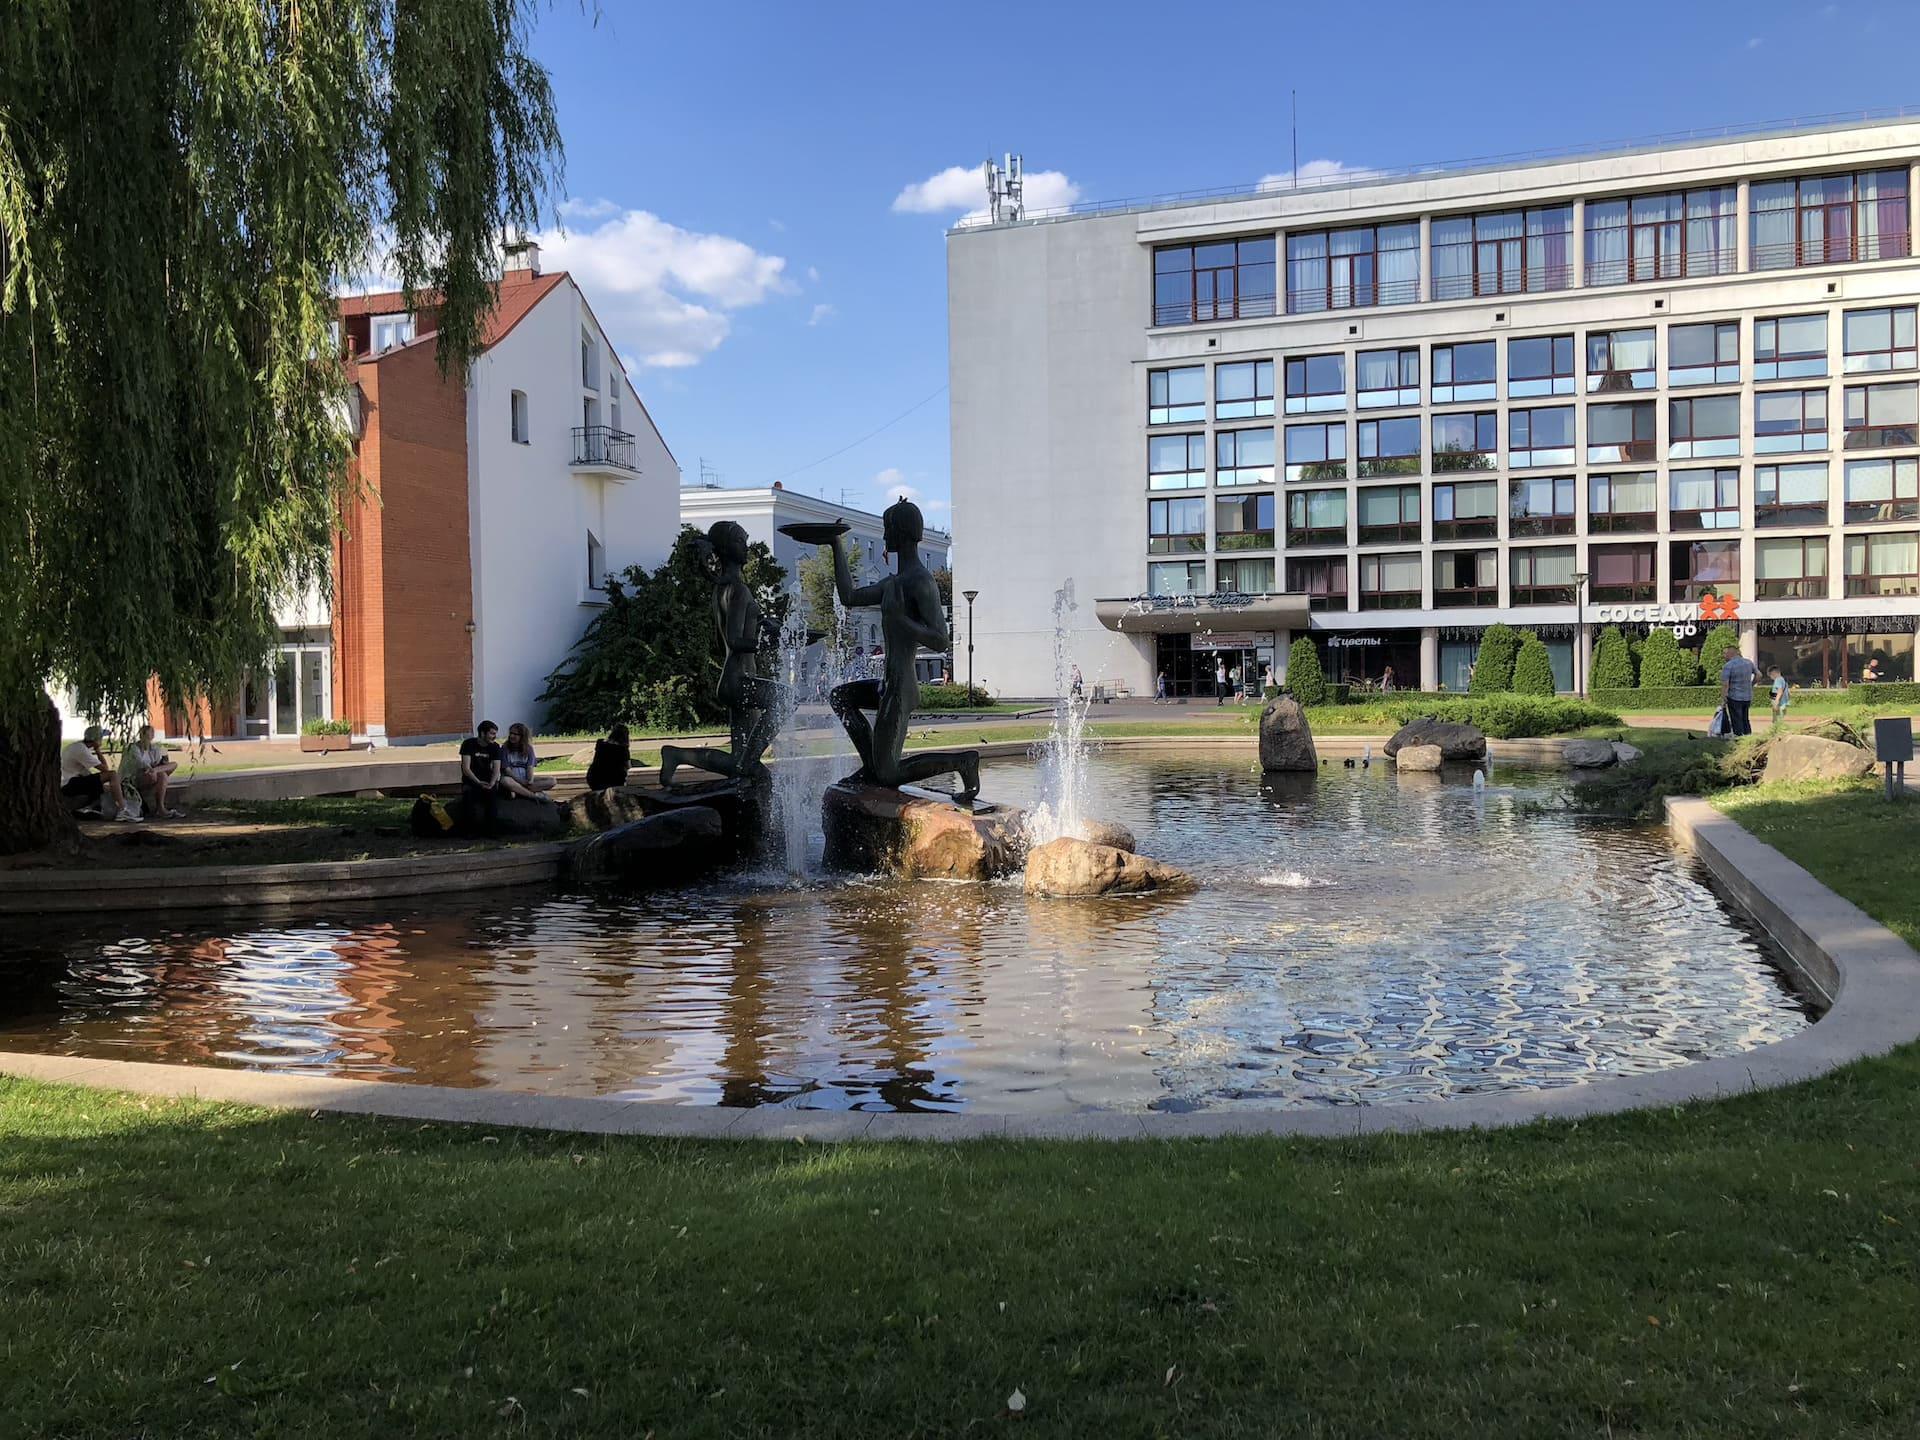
1076 683
1219 682
1782 694
1160 688
1736 692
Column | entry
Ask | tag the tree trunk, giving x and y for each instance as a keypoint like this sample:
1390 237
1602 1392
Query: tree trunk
32 816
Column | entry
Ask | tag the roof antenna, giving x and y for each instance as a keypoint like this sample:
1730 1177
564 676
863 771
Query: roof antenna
1005 186
1296 138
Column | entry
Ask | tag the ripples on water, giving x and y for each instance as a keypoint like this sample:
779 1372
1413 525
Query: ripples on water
1361 937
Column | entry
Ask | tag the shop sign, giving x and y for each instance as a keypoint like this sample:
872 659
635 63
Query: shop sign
1231 640
1684 620
1348 642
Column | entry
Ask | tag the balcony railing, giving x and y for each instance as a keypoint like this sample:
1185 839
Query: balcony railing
1539 280
1825 249
603 447
1624 593
1461 596
1356 295
1201 312
1783 587
1633 269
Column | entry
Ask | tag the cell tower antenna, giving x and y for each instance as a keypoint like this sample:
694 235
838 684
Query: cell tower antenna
1296 139
1005 190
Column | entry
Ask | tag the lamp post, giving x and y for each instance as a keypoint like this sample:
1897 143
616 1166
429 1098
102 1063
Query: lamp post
969 594
1579 631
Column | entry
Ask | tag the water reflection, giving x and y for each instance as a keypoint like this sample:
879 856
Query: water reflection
1360 938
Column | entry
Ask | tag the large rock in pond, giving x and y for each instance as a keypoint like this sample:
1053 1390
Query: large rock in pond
1458 743
1588 754
1286 740
1105 832
1624 753
514 818
660 849
604 809
1069 867
1810 757
878 829
1418 757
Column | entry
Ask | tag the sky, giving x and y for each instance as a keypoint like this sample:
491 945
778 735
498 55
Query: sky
757 195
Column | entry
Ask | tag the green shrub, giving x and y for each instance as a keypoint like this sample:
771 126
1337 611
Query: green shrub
1612 661
1493 666
1663 697
1887 694
1721 641
1662 664
1693 766
1305 680
1504 717
327 727
953 697
1533 669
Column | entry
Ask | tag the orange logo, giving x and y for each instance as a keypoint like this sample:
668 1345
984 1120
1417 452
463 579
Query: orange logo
1714 607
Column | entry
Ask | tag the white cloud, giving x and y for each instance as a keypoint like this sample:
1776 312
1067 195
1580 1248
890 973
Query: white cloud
663 293
821 312
891 485
813 275
578 209
777 225
1756 42
1316 172
964 188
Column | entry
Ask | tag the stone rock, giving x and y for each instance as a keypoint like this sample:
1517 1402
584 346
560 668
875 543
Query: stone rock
677 845
1457 742
604 809
1419 757
1070 867
1809 757
1105 832
1588 754
875 828
1286 740
581 758
1624 753
513 817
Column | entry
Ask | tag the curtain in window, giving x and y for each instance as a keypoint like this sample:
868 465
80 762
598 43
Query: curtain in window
1399 264
1607 242
1785 559
1452 258
1306 272
1883 214
1499 239
1547 257
1710 221
1772 206
1378 369
1393 572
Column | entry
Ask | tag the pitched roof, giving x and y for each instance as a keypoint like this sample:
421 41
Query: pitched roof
514 297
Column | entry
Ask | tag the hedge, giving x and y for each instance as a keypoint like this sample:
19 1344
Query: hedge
1889 694
952 697
1504 717
1306 681
1882 692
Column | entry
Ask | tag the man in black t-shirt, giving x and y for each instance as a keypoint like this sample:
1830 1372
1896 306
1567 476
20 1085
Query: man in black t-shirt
480 775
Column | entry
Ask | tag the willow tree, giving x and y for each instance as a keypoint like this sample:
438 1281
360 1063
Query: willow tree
183 185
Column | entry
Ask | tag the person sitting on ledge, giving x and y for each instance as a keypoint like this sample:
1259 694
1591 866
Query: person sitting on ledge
612 758
480 776
145 767
517 762
85 775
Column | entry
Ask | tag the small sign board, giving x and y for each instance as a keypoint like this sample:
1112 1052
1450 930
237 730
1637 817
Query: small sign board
1893 739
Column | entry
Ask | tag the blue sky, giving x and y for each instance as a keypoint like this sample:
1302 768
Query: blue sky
741 175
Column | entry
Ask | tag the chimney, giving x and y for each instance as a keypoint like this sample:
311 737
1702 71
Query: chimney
522 255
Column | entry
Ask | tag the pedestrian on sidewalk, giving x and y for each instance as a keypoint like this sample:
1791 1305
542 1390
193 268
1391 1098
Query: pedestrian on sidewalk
1736 692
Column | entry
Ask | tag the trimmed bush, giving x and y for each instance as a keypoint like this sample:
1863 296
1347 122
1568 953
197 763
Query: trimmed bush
1662 664
1660 697
953 697
1720 641
1504 717
1888 693
327 727
1533 669
1493 666
1306 681
1612 662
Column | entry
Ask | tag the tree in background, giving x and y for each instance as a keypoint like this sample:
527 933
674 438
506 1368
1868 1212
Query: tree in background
943 579
1662 662
1721 641
1306 681
651 657
817 597
1612 661
1493 665
183 184
1533 668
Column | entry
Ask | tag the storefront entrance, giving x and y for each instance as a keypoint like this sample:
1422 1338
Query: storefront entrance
299 688
1361 659
1192 663
1832 659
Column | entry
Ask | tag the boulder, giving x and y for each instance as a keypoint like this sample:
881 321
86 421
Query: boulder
1286 740
604 809
1588 754
1419 757
1069 867
1105 832
878 829
1810 757
1461 743
1623 753
678 845
513 818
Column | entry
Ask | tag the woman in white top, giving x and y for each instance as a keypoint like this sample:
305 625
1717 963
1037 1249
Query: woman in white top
144 766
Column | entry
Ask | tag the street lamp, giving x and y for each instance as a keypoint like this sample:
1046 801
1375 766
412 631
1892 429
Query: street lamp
1579 630
969 594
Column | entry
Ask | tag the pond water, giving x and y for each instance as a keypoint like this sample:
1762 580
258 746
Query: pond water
1360 937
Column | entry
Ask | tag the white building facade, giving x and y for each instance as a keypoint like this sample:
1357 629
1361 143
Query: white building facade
1654 386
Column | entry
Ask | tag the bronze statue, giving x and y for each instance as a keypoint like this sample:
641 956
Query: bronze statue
753 702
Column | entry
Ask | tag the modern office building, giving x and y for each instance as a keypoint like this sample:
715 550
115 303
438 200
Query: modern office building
1388 410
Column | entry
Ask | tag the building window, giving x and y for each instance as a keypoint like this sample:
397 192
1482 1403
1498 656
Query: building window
1387 377
589 361
1510 253
1390 513
1390 582
1623 574
1701 427
596 564
1390 447
1887 564
1177 577
1176 462
1322 579
1706 354
1829 219
1662 237
1317 517
1620 434
1878 340
1316 452
391 330
1347 269
517 416
1243 457
1789 420
1466 510
1790 569
1466 442
1704 499
1790 347
1620 360
1623 503
1243 522
1463 372
1881 490
1466 577
1542 575
1316 383
1177 397
1540 437
1244 577
1540 365
1542 506
1880 415
1705 567
1176 527
1791 494
1220 280
1243 390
